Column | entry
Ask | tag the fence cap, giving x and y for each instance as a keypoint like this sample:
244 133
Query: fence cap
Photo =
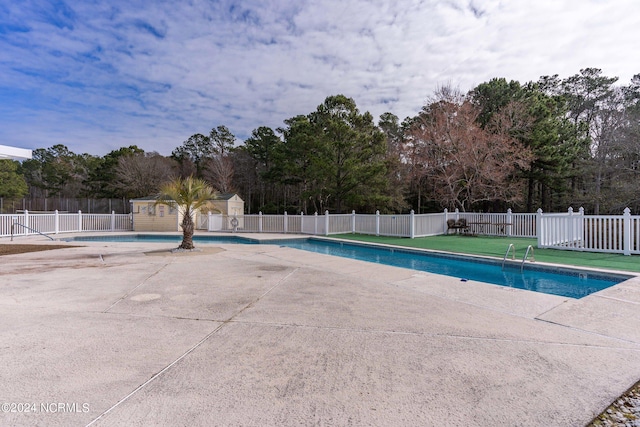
23 211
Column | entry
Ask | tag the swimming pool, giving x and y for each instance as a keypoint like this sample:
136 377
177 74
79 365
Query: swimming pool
566 282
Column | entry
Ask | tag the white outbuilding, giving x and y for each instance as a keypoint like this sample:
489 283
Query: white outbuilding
148 216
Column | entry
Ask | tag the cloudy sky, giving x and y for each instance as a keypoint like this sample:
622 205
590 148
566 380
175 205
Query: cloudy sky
99 75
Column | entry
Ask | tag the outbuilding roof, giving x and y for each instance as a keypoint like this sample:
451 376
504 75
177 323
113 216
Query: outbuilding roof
226 196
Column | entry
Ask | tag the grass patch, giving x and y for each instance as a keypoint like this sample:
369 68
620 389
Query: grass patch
497 246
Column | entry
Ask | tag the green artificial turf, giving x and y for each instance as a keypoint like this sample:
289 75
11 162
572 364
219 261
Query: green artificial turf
497 246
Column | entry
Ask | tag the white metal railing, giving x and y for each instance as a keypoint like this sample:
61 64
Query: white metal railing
54 223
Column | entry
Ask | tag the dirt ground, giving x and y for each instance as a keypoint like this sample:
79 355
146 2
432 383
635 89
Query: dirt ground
12 249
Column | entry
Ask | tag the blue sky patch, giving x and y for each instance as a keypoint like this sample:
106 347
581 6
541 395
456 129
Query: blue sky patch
96 76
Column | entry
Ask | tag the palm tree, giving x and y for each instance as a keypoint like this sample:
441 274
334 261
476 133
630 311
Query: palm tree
188 195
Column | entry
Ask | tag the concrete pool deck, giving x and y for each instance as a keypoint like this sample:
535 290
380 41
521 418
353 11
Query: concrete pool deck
261 335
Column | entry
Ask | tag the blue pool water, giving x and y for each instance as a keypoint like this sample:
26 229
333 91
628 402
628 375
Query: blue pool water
550 280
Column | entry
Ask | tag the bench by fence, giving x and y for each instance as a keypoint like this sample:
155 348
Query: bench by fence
457 225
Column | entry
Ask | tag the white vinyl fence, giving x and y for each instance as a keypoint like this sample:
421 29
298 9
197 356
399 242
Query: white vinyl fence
568 230
26 223
590 233
400 225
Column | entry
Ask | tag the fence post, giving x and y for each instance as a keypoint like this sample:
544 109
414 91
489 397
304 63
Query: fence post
539 227
412 225
509 219
26 222
315 223
286 222
457 212
260 222
302 222
626 227
209 216
56 222
113 220
353 222
570 236
581 225
326 222
377 223
79 220
444 223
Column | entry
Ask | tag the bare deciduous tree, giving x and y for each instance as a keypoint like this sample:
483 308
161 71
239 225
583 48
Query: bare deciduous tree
465 163
143 174
219 172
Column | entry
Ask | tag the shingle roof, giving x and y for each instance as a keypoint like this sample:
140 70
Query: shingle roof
225 196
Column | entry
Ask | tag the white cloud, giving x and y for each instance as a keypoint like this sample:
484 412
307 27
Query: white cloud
152 74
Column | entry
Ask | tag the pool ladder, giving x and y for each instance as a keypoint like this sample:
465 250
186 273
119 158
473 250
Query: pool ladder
506 254
512 249
524 259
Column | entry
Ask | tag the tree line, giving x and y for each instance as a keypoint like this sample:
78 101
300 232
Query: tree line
547 144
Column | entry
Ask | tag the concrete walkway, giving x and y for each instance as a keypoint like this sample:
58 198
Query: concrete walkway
261 335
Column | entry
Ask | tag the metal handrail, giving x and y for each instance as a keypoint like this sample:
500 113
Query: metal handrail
28 228
533 258
513 255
